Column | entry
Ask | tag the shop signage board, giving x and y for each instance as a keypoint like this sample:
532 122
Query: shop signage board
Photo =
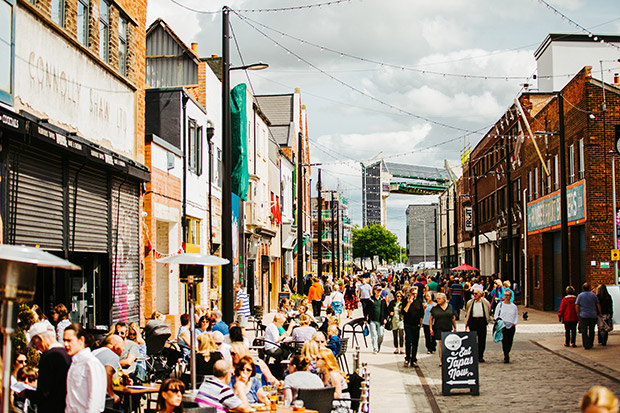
459 362
543 214
469 219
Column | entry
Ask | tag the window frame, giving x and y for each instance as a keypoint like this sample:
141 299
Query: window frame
6 96
123 43
61 12
582 164
104 41
571 164
194 147
85 26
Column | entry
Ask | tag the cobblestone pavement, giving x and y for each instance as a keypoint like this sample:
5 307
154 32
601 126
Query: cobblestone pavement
537 379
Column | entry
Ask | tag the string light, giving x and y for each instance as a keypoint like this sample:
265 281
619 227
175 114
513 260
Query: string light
269 10
577 25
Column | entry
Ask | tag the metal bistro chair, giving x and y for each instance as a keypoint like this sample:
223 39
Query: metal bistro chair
320 400
355 327
342 354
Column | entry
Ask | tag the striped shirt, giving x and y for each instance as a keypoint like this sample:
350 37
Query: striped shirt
214 393
245 303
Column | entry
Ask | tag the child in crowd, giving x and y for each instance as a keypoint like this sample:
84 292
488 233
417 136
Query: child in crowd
335 341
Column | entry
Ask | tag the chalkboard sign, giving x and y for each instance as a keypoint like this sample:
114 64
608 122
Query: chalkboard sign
282 295
459 362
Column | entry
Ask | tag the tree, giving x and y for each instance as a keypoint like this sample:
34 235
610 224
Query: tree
375 240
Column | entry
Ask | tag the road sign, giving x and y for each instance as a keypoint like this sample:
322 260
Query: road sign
615 255
459 362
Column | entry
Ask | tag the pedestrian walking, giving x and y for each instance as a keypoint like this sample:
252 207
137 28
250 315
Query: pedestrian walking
509 314
395 310
496 294
242 306
413 313
315 295
442 320
604 322
456 297
568 316
377 313
350 298
431 345
588 307
477 318
364 293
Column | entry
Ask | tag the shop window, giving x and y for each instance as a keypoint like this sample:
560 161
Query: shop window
104 30
122 46
195 148
7 48
82 21
58 12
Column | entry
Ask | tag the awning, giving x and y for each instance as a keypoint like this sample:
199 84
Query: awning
289 242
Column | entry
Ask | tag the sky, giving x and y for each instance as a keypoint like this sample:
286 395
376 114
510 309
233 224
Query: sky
410 80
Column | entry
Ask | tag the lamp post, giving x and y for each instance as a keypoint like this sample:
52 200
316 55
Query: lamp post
227 252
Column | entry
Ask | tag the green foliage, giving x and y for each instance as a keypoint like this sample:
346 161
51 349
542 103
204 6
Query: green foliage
25 319
375 240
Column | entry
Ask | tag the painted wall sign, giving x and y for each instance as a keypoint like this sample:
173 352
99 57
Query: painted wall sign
543 214
69 88
459 362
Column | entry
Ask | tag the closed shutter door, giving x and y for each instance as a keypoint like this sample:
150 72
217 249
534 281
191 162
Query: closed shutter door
36 199
125 251
88 209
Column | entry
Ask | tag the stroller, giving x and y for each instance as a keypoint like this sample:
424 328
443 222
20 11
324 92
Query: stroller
161 356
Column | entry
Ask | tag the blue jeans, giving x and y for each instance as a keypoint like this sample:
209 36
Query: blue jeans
412 337
376 335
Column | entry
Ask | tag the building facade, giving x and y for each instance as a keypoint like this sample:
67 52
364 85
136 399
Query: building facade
421 236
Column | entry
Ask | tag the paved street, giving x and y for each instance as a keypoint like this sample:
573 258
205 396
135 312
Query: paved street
537 379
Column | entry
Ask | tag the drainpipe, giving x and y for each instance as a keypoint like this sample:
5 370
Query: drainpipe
210 133
184 98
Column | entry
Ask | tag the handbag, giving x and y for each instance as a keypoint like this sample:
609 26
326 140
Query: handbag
388 323
604 323
366 330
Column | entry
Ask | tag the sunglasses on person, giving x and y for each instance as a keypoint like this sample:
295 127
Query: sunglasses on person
218 343
176 390
249 369
21 361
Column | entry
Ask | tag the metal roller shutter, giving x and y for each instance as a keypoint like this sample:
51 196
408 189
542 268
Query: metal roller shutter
125 252
91 209
36 199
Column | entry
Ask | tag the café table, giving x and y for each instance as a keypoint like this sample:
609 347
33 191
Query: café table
130 393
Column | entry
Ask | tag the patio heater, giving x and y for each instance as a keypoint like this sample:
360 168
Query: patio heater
191 273
18 279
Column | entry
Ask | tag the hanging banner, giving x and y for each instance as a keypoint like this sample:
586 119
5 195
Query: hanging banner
469 219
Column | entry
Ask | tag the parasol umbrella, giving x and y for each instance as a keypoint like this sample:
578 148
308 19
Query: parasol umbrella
465 267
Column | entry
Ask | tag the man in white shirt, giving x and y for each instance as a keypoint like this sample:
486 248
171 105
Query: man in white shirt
273 337
86 379
477 317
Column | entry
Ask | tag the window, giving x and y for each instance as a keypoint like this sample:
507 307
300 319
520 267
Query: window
7 47
582 159
530 191
104 30
549 177
219 167
58 12
192 241
537 271
571 164
122 46
194 152
556 169
82 21
517 189
536 183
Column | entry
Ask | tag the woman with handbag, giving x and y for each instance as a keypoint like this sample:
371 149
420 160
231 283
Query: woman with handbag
509 314
396 324
604 322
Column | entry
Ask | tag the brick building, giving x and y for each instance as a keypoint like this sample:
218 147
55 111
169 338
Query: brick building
590 135
72 97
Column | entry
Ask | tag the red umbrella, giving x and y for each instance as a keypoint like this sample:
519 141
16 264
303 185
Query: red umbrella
465 267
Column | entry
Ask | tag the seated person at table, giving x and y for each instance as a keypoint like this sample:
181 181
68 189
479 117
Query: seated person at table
237 334
170 397
334 340
215 392
332 376
302 333
303 310
310 351
109 356
217 323
299 378
247 386
239 350
207 354
273 337
184 337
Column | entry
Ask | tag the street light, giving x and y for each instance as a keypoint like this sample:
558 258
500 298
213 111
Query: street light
227 252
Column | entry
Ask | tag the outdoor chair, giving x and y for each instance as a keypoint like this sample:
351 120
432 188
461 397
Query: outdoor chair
320 400
341 357
355 327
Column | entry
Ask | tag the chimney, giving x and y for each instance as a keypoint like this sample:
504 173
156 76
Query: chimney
616 79
195 48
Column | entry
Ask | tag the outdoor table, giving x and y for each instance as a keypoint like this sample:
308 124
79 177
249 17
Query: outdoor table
131 391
